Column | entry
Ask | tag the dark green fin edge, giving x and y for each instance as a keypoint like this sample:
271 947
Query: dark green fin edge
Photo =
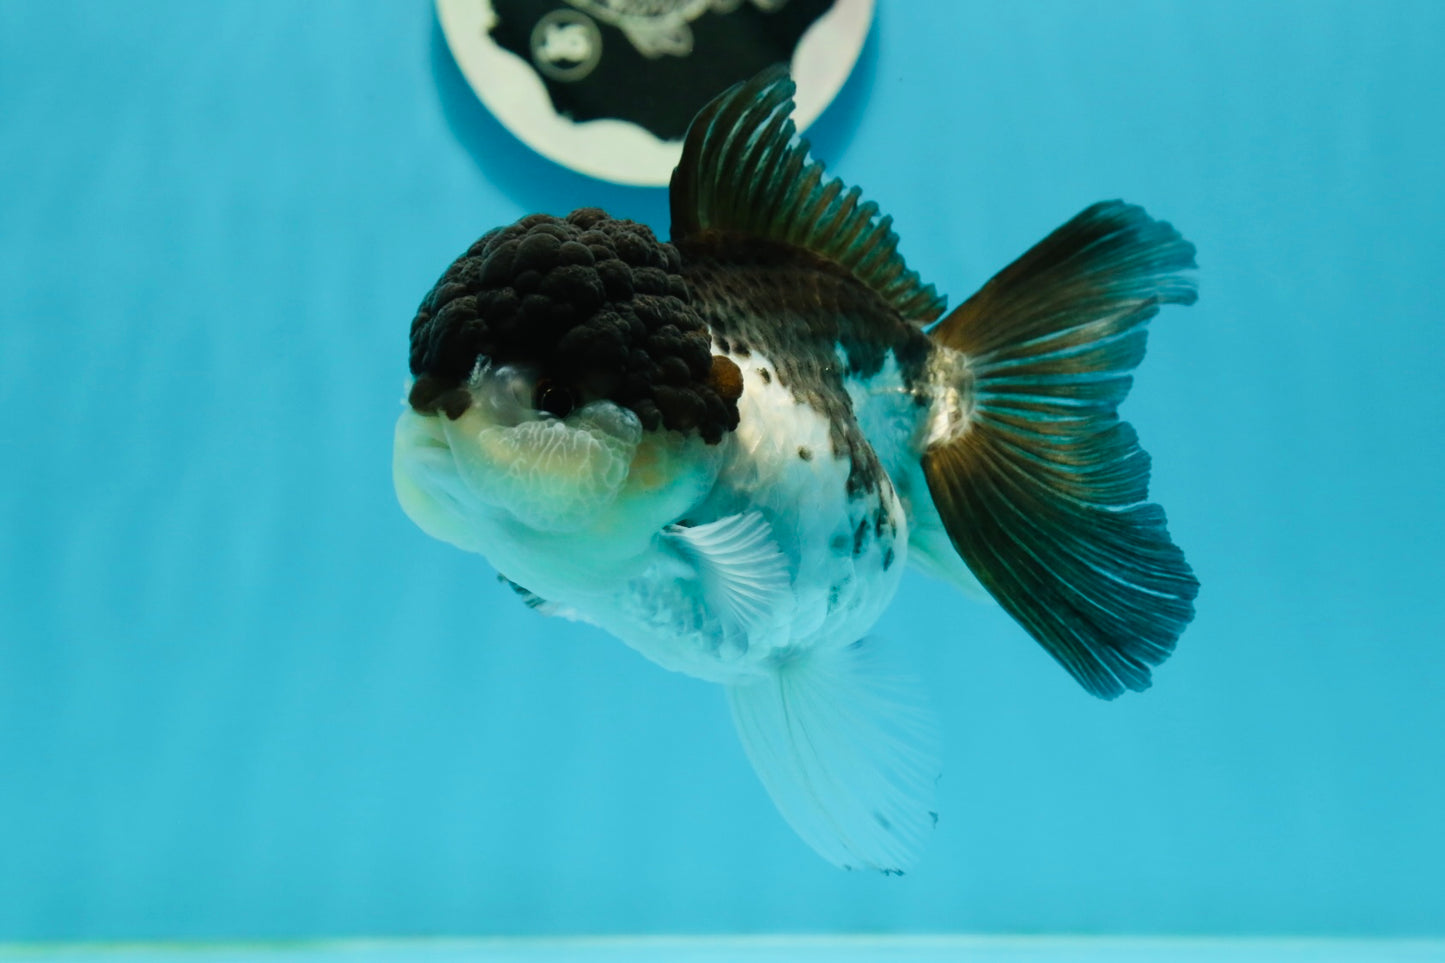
1045 492
744 170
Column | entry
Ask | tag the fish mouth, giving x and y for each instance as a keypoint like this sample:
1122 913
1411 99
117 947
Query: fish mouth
463 466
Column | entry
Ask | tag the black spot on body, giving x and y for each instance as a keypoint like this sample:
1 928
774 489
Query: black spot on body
860 537
888 558
805 453
766 375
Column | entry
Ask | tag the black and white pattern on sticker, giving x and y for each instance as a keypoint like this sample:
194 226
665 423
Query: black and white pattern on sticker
608 87
566 46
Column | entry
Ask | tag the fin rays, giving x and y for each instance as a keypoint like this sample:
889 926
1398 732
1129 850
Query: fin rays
740 566
1044 493
848 751
745 170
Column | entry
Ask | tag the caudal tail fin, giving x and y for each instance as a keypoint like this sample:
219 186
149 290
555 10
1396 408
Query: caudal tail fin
1043 490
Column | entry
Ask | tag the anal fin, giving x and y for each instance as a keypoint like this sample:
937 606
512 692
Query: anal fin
848 751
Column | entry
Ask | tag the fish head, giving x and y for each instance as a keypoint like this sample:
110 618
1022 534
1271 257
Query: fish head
563 384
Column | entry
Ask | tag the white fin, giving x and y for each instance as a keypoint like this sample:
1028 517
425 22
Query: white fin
848 752
742 571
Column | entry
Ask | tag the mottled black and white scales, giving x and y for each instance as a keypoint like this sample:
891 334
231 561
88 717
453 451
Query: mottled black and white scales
801 325
824 426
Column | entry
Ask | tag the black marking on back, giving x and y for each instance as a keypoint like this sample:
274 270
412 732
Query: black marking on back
801 312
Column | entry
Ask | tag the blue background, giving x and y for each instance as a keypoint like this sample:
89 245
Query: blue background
240 695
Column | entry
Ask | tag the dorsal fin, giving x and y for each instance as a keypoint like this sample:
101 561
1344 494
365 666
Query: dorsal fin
744 170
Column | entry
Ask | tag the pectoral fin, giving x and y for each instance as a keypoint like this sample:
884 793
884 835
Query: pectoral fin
743 573
538 604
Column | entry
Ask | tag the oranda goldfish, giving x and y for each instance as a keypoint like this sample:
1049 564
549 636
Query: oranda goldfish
724 450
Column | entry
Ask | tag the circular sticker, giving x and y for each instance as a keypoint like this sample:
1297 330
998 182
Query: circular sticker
608 87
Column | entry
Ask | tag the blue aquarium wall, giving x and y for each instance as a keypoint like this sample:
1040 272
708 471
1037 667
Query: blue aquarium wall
242 696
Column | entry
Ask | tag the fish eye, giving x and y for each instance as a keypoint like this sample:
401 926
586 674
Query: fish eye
553 398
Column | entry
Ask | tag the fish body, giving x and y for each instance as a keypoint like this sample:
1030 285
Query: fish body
725 450
796 488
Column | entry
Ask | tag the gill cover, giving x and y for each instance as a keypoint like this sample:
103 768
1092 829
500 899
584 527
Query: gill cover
551 474
460 479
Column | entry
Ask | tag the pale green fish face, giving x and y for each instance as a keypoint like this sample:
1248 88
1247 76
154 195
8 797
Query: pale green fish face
488 458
